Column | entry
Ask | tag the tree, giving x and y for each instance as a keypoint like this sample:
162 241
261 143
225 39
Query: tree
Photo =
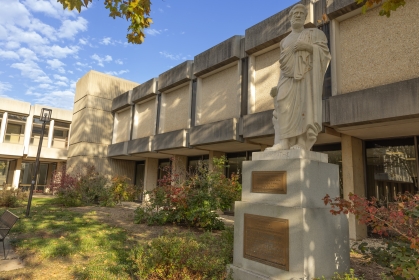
386 8
136 11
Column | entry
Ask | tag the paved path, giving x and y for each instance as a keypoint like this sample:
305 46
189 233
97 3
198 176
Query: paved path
12 261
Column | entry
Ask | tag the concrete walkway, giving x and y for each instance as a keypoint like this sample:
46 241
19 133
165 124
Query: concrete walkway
12 261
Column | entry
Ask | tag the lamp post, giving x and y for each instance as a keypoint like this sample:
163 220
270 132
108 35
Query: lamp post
44 118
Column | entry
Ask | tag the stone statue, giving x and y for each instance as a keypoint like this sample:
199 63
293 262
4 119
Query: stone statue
304 58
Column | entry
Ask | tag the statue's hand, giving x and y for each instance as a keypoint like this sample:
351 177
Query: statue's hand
274 91
302 46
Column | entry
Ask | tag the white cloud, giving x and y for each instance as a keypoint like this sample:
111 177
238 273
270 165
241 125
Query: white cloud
100 60
4 86
61 78
173 56
50 8
118 61
62 84
27 54
8 54
152 32
56 65
106 41
57 98
12 45
56 51
32 71
117 73
45 86
82 41
70 28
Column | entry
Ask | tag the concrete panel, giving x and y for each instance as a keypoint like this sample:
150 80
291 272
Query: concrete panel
217 56
48 153
385 53
14 106
141 145
122 127
171 140
337 8
88 149
272 30
227 130
10 149
174 109
118 149
383 103
267 73
144 119
91 125
57 113
258 124
176 76
107 166
144 91
218 96
102 85
122 101
94 102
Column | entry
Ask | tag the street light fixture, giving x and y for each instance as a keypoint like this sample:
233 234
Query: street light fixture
44 118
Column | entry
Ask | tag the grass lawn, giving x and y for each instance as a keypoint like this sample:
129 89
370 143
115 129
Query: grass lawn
84 243
56 243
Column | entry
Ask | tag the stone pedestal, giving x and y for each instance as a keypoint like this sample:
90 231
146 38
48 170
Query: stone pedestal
282 229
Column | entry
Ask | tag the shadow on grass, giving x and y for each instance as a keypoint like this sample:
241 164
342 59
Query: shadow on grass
90 249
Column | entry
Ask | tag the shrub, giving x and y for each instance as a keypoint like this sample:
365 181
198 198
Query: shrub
184 256
12 198
399 220
121 190
192 198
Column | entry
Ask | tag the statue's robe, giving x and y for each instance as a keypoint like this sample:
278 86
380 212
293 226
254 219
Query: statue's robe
298 105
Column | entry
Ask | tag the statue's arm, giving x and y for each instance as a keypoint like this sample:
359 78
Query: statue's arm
303 46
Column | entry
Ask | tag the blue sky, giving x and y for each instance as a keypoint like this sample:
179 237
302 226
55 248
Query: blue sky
45 50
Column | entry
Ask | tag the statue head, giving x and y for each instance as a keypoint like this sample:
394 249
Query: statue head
298 16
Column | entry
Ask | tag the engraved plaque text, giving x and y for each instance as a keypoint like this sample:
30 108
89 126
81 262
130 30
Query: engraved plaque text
269 182
266 240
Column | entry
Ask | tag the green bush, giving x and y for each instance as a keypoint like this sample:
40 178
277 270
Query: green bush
12 198
192 198
184 256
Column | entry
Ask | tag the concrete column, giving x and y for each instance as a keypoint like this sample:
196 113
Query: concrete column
28 131
151 171
353 179
50 133
16 173
3 127
212 155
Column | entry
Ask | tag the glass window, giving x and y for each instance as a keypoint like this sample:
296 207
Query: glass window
334 153
235 163
26 173
16 118
193 162
391 168
13 133
4 168
61 124
164 167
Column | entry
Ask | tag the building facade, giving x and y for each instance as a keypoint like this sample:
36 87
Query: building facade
20 132
219 103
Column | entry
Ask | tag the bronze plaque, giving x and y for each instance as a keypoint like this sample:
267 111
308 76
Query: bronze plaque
269 182
266 240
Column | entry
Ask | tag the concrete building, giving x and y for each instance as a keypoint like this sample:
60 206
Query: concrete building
20 131
219 104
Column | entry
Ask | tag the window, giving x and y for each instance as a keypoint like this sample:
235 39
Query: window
4 170
13 133
164 168
391 168
139 179
193 162
26 174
